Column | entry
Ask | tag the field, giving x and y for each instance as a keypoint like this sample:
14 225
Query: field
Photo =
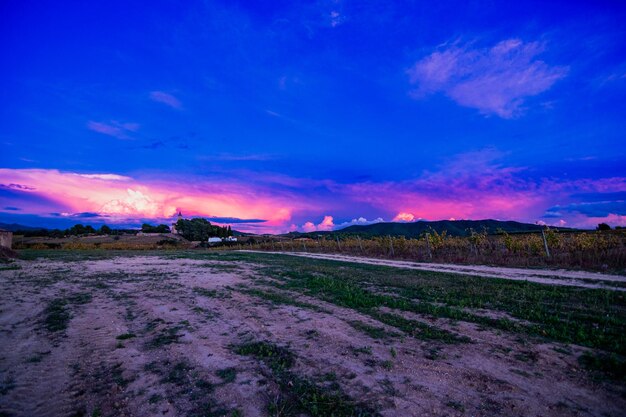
222 333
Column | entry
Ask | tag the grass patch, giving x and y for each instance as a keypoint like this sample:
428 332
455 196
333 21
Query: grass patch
278 298
299 395
277 358
165 337
205 292
57 313
372 331
7 385
125 336
590 317
227 375
610 365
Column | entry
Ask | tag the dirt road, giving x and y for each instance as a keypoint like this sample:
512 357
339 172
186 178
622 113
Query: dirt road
544 276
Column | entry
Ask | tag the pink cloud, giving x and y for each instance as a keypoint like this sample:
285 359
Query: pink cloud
494 80
404 217
113 128
474 185
122 197
165 98
325 225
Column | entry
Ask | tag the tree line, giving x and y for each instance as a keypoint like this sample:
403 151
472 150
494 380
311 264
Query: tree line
199 229
194 229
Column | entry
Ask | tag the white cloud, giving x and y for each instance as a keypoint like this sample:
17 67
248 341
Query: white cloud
493 80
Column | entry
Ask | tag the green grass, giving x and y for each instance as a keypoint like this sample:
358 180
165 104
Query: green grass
374 332
57 313
589 317
205 292
165 337
227 375
277 358
300 395
611 365
280 298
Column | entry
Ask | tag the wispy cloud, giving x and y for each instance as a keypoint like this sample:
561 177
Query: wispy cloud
494 80
166 98
105 177
113 128
238 157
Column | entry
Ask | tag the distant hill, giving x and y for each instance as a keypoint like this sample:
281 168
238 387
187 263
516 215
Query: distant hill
414 230
12 227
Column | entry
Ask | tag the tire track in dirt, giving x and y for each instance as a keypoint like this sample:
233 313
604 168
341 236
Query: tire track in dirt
553 277
40 373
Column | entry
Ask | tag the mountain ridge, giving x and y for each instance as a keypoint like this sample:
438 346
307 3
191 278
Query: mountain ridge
416 229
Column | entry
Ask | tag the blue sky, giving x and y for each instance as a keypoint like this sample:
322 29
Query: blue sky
296 112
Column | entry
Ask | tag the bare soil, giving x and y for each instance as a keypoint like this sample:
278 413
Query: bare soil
154 336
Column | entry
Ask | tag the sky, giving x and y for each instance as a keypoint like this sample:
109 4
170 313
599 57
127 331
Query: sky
285 115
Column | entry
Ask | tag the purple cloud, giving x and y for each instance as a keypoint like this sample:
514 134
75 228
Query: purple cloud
165 98
493 80
113 128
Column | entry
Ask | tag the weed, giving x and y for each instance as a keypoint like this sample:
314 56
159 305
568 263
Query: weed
205 292
155 398
10 268
299 395
366 350
118 378
7 385
165 337
275 357
57 315
178 374
227 375
456 405
611 365
372 331
277 298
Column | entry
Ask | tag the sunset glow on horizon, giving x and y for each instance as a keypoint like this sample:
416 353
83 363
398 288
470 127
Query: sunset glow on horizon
312 117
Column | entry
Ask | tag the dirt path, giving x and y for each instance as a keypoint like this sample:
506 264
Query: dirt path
543 276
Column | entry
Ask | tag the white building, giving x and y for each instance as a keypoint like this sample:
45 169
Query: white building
173 227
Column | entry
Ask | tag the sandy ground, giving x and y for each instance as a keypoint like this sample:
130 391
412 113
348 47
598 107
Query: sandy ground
544 276
86 370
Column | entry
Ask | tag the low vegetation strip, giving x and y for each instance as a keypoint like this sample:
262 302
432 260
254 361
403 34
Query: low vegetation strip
588 317
560 277
298 394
